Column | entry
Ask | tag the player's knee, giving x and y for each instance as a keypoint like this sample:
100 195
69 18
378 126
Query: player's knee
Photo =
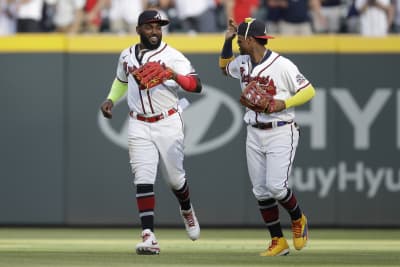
177 184
261 193
278 192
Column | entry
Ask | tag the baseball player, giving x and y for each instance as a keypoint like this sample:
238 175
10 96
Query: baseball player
272 134
155 125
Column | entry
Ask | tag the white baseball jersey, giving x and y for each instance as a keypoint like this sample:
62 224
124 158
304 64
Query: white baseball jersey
149 142
277 73
161 97
270 153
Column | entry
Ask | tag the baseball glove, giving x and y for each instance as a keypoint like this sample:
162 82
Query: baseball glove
257 98
152 74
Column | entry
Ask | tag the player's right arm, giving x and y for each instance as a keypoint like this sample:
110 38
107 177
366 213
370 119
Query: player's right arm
227 54
118 88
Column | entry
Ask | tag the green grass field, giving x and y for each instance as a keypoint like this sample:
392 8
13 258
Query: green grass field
217 247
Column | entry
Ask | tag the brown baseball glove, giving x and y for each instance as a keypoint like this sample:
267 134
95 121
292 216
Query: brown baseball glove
152 74
257 98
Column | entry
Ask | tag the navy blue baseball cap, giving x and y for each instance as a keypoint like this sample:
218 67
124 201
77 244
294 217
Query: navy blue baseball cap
151 16
253 27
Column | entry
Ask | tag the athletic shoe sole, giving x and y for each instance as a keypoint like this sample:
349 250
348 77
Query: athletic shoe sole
147 251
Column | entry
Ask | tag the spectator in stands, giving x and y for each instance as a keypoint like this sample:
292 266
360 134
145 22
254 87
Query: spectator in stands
159 6
296 19
220 15
69 15
196 16
29 15
240 9
331 10
123 15
375 16
47 22
7 17
92 17
169 9
274 13
396 16
352 19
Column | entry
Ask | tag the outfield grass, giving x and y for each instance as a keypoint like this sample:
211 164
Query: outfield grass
70 247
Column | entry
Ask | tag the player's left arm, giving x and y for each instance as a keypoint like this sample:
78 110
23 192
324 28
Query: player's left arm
300 89
190 82
184 74
301 97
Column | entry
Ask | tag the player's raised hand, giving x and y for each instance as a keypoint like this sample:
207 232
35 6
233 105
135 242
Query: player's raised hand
231 29
106 108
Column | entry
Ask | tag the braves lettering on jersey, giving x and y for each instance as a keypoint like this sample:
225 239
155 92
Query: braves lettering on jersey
162 97
277 73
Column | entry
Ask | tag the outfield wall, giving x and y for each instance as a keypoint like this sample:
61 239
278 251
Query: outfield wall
63 164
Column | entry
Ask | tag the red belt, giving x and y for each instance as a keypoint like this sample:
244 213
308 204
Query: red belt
153 118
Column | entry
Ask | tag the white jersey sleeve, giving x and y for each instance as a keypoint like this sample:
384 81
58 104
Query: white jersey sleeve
122 73
292 77
233 67
179 63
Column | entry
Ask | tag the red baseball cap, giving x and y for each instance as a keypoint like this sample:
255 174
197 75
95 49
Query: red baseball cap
253 27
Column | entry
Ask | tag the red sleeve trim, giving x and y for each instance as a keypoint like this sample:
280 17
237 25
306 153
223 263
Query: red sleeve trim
188 82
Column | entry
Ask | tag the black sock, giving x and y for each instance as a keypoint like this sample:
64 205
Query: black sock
182 195
289 202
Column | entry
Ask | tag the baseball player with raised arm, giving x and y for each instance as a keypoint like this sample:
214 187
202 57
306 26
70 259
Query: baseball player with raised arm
272 86
152 72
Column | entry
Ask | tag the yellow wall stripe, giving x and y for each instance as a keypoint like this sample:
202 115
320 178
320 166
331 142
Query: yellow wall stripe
33 43
201 43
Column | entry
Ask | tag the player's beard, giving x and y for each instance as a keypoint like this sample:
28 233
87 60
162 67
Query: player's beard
149 45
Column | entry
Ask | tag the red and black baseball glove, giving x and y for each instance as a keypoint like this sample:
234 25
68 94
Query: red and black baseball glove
256 98
152 74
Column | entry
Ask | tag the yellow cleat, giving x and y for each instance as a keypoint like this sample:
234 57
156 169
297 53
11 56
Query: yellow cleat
278 247
300 232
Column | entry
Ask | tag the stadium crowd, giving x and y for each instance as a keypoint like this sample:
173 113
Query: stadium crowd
287 17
